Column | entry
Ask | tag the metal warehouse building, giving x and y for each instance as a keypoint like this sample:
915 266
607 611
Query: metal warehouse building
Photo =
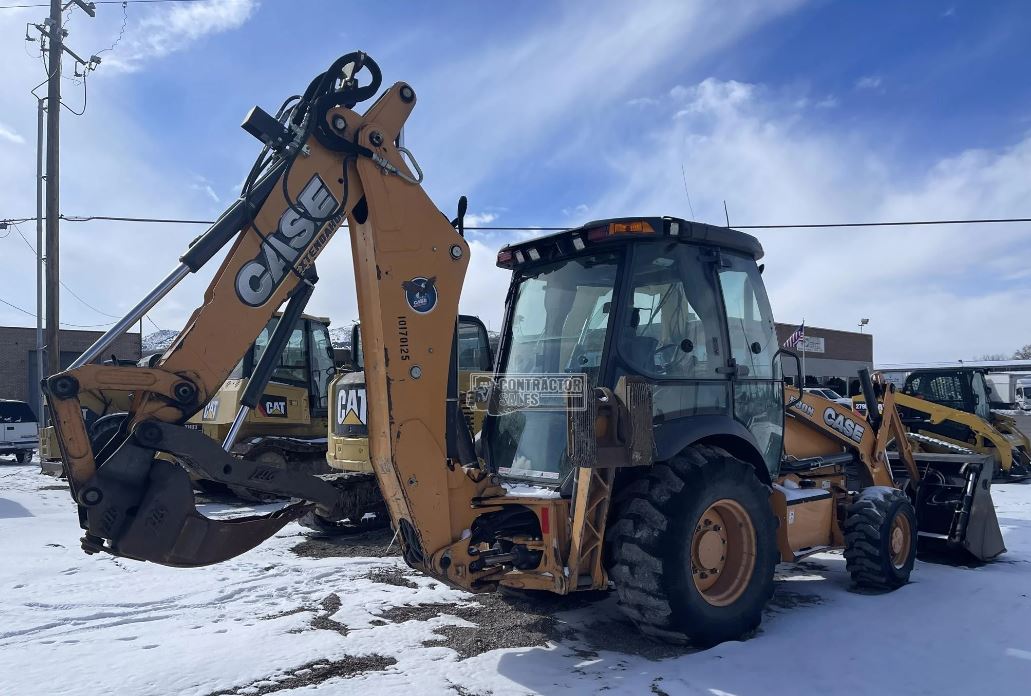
18 378
832 358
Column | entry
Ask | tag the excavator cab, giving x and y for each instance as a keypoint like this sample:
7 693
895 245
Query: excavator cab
287 428
677 305
348 411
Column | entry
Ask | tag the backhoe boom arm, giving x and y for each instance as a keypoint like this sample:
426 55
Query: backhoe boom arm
329 163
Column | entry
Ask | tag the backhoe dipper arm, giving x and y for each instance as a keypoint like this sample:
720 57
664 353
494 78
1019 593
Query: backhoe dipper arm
330 163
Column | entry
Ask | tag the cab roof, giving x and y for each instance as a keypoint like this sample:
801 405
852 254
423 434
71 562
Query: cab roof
626 230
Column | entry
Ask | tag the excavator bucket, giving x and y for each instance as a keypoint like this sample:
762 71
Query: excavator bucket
954 506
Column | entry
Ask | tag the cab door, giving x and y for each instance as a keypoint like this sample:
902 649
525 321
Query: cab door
758 401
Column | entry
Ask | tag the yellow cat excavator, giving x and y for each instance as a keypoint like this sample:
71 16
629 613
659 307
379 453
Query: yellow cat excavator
638 431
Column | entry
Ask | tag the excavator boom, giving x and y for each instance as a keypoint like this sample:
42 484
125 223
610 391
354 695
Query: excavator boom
323 162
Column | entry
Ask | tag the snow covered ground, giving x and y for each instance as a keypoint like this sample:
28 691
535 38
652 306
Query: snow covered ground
283 622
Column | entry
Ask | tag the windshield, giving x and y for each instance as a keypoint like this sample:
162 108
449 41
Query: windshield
560 321
16 412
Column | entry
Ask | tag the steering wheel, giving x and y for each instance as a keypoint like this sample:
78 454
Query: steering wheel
669 356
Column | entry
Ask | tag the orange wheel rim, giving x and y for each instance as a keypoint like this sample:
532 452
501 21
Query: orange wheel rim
723 552
901 540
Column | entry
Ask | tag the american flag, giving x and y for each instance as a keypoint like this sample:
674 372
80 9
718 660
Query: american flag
796 337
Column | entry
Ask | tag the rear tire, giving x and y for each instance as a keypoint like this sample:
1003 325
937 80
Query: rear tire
880 539
702 508
23 456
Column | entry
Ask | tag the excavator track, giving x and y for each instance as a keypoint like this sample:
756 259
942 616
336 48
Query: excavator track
362 510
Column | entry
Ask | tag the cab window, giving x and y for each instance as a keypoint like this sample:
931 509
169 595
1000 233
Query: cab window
673 329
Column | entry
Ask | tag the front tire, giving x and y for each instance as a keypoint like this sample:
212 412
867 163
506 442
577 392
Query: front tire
693 548
880 539
23 456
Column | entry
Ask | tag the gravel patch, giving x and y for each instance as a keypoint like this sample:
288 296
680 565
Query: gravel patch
373 543
313 673
391 575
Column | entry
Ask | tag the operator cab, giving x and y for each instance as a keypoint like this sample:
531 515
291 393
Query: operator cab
679 304
307 359
961 389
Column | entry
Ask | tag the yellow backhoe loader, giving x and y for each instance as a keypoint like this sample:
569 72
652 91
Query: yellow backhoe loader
636 424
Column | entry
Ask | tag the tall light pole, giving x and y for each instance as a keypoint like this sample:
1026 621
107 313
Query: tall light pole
862 323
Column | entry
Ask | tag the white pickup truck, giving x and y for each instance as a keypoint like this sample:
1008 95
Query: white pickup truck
19 433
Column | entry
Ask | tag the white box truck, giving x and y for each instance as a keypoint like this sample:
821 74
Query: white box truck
1004 387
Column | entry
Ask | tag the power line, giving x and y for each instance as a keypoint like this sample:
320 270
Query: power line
100 2
63 284
545 228
77 326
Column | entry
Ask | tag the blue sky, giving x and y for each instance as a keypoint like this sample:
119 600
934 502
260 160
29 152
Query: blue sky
556 113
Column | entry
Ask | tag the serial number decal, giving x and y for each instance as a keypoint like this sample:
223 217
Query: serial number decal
402 337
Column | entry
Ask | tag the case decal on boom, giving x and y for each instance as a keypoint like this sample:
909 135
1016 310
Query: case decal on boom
845 426
421 294
258 279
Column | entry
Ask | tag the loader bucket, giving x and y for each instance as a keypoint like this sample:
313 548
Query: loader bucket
954 506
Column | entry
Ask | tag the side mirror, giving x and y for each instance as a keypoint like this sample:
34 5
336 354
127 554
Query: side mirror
798 365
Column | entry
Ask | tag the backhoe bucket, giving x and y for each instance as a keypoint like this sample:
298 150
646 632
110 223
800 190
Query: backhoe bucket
954 504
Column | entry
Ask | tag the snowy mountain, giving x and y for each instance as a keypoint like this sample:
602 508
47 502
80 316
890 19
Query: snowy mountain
340 336
158 341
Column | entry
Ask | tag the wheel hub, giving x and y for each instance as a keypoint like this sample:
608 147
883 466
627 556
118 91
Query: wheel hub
899 541
723 549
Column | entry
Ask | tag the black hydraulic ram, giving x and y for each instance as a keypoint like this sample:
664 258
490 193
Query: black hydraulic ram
873 412
273 351
235 218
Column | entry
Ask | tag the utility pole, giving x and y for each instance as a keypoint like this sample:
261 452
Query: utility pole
40 109
53 210
53 31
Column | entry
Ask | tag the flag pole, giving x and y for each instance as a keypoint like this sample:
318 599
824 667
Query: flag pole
803 361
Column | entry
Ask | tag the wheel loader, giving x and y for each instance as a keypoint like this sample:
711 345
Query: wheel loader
948 411
638 431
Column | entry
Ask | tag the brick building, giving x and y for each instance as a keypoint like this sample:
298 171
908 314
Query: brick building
18 379
832 358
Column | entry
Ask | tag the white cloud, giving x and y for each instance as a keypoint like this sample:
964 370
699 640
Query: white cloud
479 219
6 133
868 82
204 186
931 292
525 93
172 28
